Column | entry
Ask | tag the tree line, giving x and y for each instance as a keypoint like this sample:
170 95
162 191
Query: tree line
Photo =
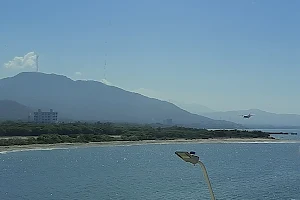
78 132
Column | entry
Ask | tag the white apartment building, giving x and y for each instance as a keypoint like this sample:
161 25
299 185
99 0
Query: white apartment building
45 117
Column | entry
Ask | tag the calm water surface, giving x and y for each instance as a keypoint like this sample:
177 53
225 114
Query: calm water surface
237 171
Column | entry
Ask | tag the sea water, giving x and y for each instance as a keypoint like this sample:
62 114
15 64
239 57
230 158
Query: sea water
153 171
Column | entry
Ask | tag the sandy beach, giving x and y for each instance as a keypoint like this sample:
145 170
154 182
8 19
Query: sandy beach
5 149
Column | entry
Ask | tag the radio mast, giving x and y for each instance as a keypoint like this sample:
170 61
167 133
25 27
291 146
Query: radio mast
37 63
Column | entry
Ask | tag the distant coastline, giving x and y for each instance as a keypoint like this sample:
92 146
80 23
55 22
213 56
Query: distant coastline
16 136
18 148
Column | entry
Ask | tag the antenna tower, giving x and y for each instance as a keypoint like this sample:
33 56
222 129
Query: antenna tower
37 63
105 68
105 51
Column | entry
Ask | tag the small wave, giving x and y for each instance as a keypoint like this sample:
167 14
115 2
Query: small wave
264 142
33 149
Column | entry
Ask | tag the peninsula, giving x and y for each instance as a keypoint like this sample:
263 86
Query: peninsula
13 133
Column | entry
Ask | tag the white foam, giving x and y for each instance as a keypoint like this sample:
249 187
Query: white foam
33 149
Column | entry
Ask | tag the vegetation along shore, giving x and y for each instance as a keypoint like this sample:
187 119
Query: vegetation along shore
13 133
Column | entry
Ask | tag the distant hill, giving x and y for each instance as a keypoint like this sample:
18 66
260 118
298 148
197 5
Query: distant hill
11 110
261 118
92 100
193 107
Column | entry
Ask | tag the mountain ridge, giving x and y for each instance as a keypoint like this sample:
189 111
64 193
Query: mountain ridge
93 100
12 110
260 118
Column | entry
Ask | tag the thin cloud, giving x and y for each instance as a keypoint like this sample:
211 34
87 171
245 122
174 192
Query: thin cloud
150 93
106 82
27 61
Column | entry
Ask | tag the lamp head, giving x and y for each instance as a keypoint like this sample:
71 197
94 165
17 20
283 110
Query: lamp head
188 156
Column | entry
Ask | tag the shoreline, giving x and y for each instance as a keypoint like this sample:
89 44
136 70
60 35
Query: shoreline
18 148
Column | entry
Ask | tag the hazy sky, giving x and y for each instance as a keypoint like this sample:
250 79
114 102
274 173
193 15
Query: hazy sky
226 55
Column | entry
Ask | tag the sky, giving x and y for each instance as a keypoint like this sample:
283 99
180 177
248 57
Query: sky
225 55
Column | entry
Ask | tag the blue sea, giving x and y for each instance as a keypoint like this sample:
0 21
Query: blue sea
153 171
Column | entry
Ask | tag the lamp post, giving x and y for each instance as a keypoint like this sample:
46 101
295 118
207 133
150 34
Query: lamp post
191 158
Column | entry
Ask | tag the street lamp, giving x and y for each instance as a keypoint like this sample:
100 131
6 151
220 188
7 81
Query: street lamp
192 158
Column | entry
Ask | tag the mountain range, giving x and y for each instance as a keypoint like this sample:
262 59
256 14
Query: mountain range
11 110
95 101
261 119
193 107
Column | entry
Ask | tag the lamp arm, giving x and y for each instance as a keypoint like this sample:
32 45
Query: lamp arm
212 196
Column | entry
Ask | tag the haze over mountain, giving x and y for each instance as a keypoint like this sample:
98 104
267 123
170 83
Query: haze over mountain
193 107
11 110
92 100
261 118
